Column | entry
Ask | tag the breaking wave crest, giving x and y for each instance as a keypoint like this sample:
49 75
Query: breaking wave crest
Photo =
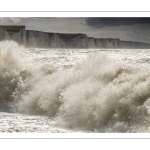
97 94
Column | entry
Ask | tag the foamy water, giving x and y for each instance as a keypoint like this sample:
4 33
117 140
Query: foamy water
74 90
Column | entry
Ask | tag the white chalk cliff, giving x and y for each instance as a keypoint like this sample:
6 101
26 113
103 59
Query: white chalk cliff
30 38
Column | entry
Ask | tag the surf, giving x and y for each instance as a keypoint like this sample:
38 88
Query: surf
97 94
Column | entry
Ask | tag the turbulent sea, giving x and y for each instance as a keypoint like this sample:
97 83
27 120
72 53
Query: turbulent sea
74 90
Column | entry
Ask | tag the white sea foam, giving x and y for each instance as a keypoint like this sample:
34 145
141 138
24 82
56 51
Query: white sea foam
99 94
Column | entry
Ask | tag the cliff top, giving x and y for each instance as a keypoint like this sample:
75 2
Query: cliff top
12 29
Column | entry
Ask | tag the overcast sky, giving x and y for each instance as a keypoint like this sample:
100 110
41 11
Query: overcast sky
129 29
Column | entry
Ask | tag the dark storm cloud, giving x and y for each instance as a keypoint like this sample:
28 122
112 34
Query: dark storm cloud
109 22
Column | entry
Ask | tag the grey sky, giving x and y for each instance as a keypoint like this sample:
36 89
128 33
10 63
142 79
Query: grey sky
131 29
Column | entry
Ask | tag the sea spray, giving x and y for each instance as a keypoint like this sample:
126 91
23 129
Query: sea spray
98 94
10 67
17 74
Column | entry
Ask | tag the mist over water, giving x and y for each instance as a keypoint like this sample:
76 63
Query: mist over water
92 90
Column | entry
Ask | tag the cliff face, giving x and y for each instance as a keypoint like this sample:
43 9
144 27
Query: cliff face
19 37
31 38
56 42
130 44
79 41
37 39
107 43
42 39
82 41
3 34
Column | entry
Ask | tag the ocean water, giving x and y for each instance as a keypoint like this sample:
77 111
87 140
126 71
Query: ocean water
74 90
